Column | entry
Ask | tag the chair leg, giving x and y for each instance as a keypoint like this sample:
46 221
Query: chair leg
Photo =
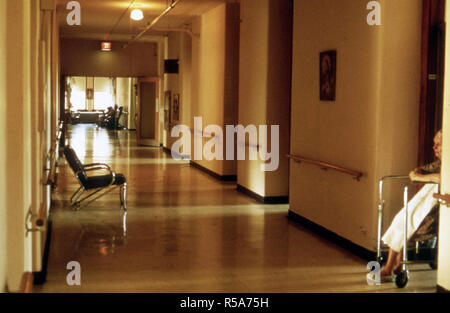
123 196
76 195
79 204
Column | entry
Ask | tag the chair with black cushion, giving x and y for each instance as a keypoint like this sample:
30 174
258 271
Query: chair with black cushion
107 182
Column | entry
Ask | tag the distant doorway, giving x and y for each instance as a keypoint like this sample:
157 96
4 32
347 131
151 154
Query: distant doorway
89 100
432 77
148 120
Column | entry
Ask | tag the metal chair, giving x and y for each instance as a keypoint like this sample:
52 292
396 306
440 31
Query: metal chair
96 184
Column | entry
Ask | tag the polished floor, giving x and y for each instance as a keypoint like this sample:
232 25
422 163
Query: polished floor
184 231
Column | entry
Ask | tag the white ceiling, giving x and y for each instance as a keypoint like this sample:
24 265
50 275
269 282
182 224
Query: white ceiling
100 17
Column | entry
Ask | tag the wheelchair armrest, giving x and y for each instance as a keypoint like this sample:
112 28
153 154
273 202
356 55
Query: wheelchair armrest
415 182
394 177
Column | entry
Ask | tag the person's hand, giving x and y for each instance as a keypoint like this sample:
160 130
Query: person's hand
415 175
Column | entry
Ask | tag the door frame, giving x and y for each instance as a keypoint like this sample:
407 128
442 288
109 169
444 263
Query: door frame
432 68
146 141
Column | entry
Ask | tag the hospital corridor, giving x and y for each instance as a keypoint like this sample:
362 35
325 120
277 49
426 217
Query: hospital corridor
186 232
275 148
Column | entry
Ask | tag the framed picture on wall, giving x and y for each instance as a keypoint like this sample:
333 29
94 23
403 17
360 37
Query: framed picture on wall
328 75
175 112
167 105
89 93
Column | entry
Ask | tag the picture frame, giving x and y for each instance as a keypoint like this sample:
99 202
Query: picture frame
167 105
175 111
90 93
327 70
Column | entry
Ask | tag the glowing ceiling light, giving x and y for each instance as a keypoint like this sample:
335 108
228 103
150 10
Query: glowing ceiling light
137 15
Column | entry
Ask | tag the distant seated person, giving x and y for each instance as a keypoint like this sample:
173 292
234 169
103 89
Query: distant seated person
420 207
108 119
110 112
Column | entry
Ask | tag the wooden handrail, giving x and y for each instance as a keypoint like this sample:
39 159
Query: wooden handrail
443 199
324 165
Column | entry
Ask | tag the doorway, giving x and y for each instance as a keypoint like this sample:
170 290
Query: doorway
148 120
88 99
432 77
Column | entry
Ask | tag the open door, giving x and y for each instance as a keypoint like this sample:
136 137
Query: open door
147 112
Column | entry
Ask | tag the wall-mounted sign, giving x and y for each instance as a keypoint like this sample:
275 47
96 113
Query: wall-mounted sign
106 46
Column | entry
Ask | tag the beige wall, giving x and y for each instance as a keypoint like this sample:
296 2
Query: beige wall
25 130
443 276
18 199
215 73
132 114
123 97
37 192
372 125
264 86
84 58
3 85
186 79
179 46
172 82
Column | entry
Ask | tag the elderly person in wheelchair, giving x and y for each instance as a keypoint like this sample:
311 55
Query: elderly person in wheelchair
421 206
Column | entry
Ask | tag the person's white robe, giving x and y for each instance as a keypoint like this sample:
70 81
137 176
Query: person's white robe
418 208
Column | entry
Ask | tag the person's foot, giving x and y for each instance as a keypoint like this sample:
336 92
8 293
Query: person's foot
386 276
386 272
397 269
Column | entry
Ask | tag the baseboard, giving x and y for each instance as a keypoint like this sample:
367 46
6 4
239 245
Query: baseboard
265 200
362 252
41 277
166 150
440 289
232 178
26 284
178 156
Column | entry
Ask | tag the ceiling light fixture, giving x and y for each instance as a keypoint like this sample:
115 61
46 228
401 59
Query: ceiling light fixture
137 14
150 25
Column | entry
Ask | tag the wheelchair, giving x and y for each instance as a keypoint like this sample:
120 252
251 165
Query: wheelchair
425 237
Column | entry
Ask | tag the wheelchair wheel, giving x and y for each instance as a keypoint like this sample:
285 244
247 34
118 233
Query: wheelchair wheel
402 279
433 265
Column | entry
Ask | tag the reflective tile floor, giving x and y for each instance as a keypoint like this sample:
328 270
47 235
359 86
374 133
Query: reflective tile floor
184 231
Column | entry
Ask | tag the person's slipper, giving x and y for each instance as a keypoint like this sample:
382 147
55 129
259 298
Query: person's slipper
387 278
398 269
371 277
